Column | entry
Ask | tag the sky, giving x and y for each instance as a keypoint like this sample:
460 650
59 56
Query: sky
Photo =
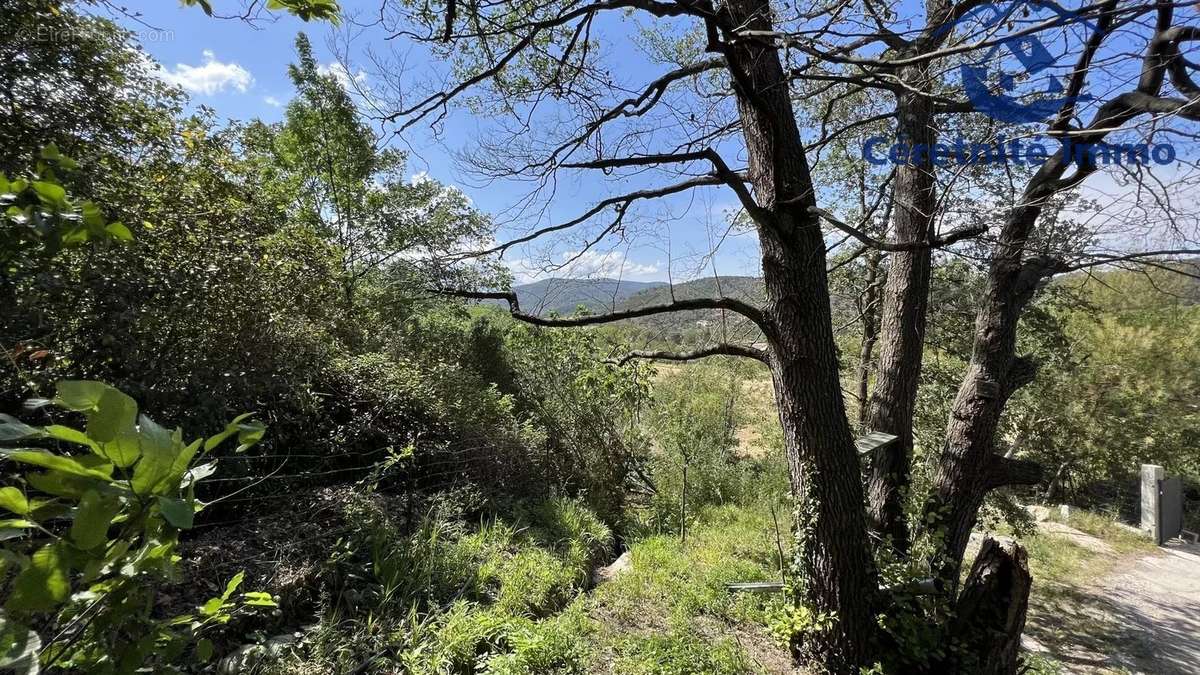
239 69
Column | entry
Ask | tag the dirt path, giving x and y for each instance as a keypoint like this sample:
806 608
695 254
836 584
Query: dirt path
1142 617
1160 596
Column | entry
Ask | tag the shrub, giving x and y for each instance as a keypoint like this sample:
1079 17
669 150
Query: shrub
95 535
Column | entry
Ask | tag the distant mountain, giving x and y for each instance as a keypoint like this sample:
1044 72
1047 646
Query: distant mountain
707 326
565 295
697 326
748 289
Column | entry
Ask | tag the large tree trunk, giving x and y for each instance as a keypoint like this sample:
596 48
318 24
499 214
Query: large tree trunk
869 308
834 551
902 326
968 468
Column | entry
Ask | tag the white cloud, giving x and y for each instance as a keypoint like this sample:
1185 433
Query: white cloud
209 78
588 264
606 264
342 76
272 101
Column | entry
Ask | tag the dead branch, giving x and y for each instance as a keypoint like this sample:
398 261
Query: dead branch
722 349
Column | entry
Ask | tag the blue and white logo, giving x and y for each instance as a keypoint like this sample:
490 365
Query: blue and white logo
1034 59
1008 33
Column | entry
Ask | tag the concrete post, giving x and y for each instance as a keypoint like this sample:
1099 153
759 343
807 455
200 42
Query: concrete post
1151 475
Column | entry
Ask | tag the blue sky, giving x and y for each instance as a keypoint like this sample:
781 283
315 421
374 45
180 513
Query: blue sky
240 70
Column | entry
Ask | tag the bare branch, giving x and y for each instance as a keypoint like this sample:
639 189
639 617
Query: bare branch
1106 259
957 234
722 349
621 202
514 308
423 108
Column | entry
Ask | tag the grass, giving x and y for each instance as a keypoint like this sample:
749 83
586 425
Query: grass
671 612
508 598
1104 527
501 597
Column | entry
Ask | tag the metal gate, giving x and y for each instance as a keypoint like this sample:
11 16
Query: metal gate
1170 509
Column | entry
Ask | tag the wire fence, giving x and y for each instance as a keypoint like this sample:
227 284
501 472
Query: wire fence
251 485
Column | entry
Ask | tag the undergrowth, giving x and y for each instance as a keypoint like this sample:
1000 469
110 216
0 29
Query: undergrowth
506 596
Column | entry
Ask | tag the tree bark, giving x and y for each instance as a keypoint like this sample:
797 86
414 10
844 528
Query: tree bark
990 614
833 548
870 336
903 318
965 473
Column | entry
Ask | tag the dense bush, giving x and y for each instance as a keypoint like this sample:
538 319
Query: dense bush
94 538
255 282
499 597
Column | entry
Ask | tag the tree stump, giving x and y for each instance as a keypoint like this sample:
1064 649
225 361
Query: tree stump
991 611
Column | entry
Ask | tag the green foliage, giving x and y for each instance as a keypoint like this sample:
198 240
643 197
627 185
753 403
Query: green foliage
697 410
496 599
308 10
39 217
96 535
389 234
790 622
1131 400
728 544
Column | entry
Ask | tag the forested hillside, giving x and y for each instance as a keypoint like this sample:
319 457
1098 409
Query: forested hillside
565 295
271 400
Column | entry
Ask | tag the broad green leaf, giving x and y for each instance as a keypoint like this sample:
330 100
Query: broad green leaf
17 522
75 236
259 599
80 395
159 451
51 194
249 435
44 584
73 465
123 450
211 607
115 414
12 429
42 510
204 650
92 519
13 528
69 435
14 500
92 215
180 466
118 230
233 585
229 430
178 512
62 484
